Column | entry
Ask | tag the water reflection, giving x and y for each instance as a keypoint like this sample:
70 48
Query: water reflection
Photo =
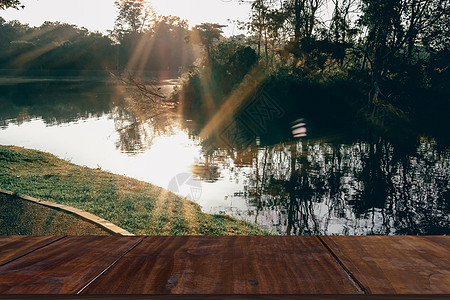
287 179
364 188
55 102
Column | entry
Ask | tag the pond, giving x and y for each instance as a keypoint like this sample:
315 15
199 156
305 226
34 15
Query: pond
293 180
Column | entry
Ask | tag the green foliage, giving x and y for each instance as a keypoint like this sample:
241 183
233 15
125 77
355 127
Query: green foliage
206 34
384 32
54 45
60 46
134 16
161 47
148 41
230 62
206 87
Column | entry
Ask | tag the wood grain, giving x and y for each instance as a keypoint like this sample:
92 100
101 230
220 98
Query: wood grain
63 267
225 265
12 247
395 264
442 240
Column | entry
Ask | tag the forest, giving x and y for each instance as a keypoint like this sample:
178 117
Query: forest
61 46
383 62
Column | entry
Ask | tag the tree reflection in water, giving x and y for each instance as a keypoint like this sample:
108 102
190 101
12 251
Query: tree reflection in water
141 113
302 187
309 187
338 185
135 135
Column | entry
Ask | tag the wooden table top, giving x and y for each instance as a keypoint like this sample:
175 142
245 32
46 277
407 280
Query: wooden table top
196 265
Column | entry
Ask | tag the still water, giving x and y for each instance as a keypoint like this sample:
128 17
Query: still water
300 185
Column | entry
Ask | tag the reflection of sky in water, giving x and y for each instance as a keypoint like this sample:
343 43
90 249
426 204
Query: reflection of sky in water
92 143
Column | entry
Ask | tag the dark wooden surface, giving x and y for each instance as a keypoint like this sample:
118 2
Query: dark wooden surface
224 297
63 267
395 265
224 265
13 247
444 241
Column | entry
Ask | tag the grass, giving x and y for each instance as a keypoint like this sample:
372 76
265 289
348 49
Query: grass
138 207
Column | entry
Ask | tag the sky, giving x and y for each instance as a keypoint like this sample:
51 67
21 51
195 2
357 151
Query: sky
99 15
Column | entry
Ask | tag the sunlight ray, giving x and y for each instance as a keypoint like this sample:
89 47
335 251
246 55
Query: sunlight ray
205 79
249 85
31 55
158 211
35 53
140 55
35 33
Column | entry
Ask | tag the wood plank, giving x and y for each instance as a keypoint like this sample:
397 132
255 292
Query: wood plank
63 267
226 297
394 264
12 247
442 240
225 265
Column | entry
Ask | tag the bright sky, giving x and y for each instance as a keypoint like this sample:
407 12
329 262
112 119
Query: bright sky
100 14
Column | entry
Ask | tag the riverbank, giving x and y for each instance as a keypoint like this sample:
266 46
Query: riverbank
24 215
138 207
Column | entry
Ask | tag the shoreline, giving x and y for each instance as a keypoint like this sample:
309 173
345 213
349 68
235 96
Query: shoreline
136 206
78 214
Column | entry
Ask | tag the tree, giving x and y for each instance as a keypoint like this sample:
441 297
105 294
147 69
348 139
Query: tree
4 4
302 17
134 16
397 30
437 33
205 34
341 30
259 23
425 20
169 45
284 23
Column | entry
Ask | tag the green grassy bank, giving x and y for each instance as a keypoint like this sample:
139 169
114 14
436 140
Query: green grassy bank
138 207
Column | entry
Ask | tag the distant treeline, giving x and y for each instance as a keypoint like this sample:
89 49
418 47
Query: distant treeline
60 46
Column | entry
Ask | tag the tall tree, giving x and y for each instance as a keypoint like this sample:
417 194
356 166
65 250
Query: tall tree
206 34
420 18
396 29
341 30
436 30
258 23
276 21
302 17
134 16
